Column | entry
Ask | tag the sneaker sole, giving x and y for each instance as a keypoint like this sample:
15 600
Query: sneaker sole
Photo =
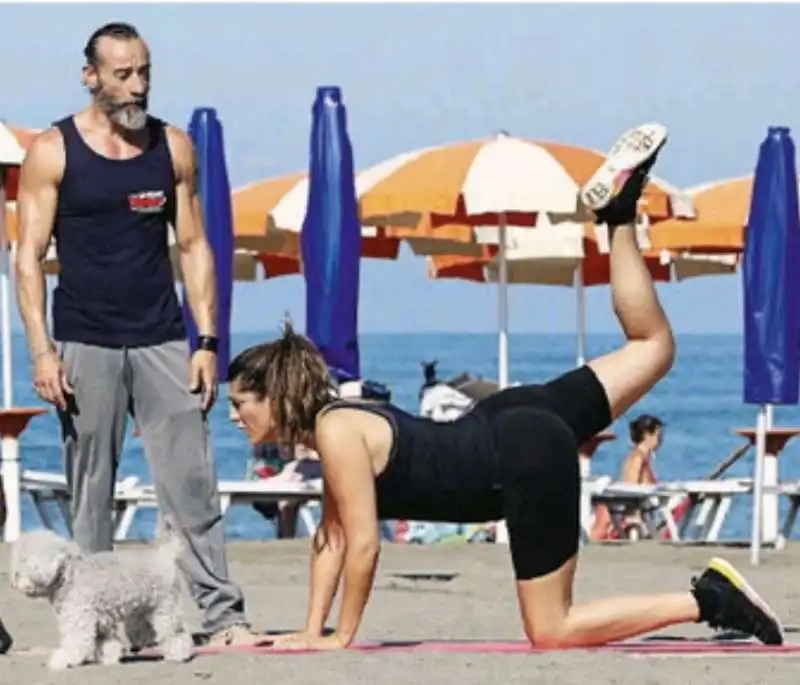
727 570
632 149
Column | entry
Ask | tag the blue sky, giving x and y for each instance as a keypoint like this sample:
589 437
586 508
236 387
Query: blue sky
417 75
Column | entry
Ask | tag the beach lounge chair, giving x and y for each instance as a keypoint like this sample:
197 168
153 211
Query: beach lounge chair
46 487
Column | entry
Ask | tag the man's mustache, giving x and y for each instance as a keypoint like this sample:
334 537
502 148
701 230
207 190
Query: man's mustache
141 104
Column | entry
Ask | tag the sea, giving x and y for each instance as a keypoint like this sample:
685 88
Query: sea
700 402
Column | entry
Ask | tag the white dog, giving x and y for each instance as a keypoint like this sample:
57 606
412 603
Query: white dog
93 593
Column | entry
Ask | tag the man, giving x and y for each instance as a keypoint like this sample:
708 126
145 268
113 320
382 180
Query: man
106 183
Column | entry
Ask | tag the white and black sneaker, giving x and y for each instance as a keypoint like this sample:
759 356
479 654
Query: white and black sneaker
727 601
614 190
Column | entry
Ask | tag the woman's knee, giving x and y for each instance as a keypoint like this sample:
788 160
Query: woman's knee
545 602
548 637
629 373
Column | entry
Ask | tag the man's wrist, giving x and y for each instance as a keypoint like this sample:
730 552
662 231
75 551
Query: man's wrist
208 343
42 351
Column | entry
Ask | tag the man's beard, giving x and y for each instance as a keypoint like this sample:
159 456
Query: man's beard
130 115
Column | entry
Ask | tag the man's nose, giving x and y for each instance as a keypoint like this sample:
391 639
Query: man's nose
138 87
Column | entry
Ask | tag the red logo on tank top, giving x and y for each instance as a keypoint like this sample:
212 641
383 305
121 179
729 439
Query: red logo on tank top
147 202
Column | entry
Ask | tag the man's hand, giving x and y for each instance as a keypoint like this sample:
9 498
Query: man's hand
50 379
204 377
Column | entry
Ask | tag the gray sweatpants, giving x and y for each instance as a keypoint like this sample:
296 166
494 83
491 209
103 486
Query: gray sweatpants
152 384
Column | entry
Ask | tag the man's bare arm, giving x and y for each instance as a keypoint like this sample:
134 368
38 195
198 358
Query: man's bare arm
196 257
36 206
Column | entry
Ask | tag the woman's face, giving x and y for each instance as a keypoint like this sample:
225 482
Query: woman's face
656 438
253 415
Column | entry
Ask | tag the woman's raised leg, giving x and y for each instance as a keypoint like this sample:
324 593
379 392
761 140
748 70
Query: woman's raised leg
629 373
720 596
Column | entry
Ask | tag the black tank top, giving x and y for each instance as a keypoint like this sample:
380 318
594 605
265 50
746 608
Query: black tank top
437 471
115 284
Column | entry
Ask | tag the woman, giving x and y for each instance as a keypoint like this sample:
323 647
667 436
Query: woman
513 456
647 433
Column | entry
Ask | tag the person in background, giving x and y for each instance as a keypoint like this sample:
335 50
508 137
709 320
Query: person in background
647 435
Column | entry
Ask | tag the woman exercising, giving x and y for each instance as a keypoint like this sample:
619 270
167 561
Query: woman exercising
513 456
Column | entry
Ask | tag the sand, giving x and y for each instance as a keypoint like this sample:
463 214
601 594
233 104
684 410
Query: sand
479 603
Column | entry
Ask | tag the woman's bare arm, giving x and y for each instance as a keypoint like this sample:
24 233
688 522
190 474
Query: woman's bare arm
327 559
350 483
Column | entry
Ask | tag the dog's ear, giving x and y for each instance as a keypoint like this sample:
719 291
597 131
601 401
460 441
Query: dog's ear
70 550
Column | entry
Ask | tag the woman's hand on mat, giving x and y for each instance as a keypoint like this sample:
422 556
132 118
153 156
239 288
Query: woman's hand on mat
304 641
204 377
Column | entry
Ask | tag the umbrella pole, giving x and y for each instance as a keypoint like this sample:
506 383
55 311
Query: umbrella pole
758 486
502 307
580 294
501 531
5 300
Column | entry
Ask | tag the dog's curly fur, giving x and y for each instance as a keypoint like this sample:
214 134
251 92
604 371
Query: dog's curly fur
93 593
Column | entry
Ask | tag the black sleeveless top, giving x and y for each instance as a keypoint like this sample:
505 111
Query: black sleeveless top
115 283
437 471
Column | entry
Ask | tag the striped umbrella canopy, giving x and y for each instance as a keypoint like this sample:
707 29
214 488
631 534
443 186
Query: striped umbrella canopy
475 182
547 257
722 214
449 193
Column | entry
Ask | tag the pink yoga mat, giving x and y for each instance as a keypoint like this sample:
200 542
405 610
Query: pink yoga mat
655 646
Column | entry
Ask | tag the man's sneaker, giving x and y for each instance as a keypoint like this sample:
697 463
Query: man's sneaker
614 191
727 601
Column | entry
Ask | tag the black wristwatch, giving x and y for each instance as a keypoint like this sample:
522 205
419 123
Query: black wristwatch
209 343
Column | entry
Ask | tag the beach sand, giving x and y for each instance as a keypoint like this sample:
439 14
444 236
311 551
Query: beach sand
479 604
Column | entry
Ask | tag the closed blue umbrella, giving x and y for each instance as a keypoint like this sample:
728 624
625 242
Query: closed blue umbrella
330 239
771 281
205 130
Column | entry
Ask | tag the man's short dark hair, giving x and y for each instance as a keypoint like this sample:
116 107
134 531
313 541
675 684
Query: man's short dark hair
116 29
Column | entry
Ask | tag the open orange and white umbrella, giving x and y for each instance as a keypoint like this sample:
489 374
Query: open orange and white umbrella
485 187
722 213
